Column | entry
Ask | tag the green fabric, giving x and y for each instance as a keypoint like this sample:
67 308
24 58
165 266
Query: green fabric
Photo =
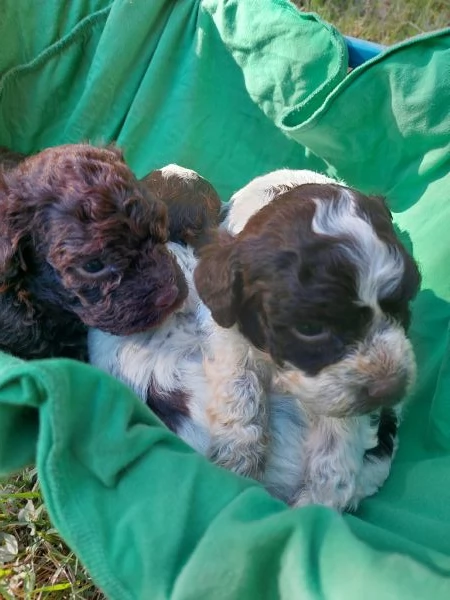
232 89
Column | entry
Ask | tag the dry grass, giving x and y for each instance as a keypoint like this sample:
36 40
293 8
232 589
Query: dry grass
382 21
34 563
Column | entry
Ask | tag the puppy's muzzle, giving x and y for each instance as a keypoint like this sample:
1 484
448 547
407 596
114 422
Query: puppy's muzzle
384 370
388 391
379 372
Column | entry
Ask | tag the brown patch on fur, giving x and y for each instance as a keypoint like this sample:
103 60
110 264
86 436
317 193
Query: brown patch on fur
172 407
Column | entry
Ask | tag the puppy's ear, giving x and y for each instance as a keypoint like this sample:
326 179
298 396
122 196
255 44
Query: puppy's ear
218 279
11 261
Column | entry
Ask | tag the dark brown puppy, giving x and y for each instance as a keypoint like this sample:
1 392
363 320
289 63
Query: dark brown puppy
82 243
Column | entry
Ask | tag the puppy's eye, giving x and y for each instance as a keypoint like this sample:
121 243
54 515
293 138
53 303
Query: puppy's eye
312 332
93 266
310 329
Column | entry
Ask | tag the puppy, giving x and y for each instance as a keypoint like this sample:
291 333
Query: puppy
309 288
189 365
82 243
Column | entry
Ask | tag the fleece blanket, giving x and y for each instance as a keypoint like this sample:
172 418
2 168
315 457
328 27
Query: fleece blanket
232 89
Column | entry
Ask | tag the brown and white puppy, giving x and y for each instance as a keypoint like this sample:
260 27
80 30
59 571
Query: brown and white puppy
82 243
309 287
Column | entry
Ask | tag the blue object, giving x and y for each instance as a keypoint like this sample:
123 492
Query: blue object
359 50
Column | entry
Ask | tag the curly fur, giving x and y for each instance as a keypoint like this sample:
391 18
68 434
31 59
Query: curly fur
82 243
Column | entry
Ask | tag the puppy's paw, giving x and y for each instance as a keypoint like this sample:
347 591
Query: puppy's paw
248 462
326 486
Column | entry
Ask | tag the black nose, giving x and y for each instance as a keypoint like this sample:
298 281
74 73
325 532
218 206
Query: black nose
388 391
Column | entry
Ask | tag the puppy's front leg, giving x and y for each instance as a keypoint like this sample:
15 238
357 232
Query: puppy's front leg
237 412
334 458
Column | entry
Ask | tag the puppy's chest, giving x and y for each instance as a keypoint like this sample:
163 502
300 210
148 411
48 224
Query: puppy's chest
184 337
176 363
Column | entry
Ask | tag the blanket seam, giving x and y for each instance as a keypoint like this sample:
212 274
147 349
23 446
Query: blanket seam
77 32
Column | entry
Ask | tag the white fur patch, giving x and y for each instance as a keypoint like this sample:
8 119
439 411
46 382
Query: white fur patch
173 170
380 267
262 190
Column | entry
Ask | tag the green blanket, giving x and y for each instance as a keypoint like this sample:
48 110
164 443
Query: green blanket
233 89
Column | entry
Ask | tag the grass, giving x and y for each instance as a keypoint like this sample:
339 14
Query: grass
382 21
34 562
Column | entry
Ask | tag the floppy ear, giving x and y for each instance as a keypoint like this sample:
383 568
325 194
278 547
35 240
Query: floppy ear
218 280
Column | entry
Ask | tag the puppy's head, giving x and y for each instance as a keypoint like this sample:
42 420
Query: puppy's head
192 202
318 279
80 233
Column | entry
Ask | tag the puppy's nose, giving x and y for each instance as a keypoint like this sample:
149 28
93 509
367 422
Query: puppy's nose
388 391
166 297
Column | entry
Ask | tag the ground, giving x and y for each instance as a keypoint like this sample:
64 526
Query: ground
34 562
